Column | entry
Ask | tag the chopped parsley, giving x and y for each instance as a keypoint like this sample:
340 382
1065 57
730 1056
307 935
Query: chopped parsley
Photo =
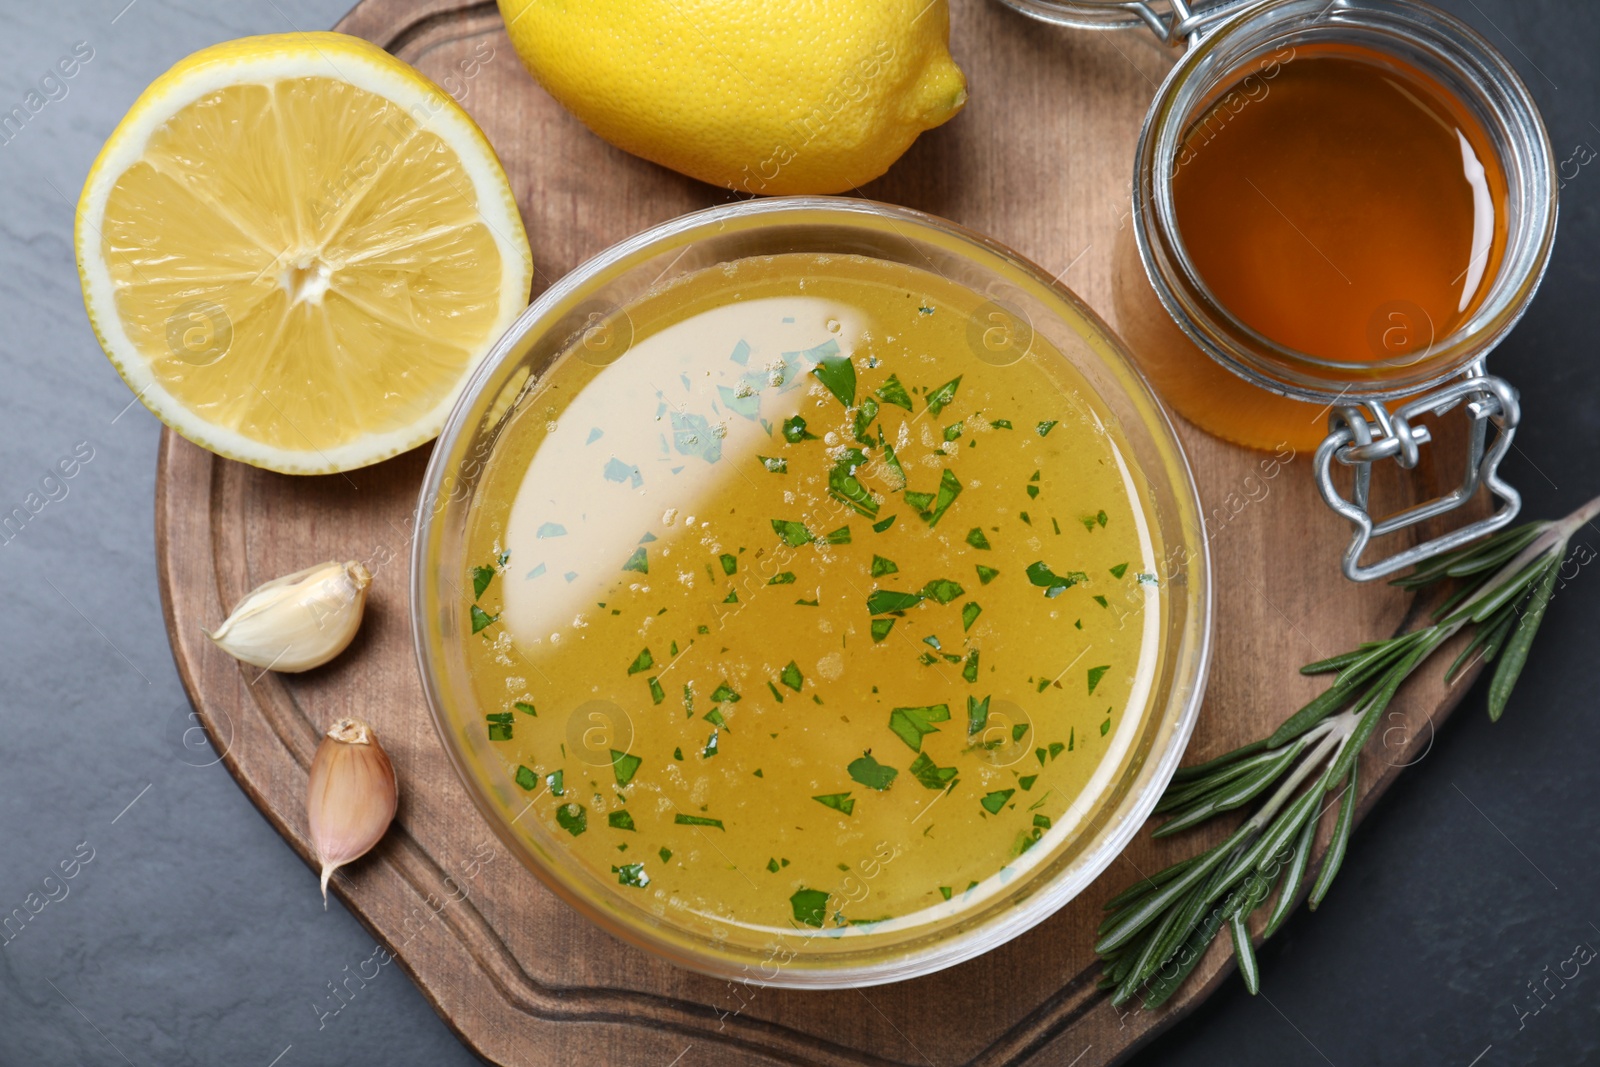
620 820
882 601
881 628
931 774
977 715
1046 427
481 618
794 430
882 566
526 778
642 662
730 564
993 802
840 802
624 766
776 465
879 527
986 574
870 773
976 539
911 725
1119 570
792 677
573 818
942 590
481 577
526 708
632 874
892 392
698 820
794 533
786 578
942 396
810 906
970 613
1052 583
639 561
1095 674
838 374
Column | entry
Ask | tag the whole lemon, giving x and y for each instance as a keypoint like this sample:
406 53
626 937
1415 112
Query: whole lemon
782 96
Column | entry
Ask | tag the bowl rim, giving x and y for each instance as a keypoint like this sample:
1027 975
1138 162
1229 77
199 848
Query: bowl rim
1191 646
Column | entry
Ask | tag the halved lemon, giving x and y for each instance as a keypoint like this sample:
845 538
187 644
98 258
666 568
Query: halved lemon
296 248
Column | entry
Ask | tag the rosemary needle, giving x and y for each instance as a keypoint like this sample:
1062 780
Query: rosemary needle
1155 932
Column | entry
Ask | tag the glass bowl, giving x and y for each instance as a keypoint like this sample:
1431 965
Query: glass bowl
577 319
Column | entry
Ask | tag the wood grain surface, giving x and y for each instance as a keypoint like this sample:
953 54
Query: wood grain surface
1041 159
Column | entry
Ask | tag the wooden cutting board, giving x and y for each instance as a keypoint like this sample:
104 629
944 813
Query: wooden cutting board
1041 159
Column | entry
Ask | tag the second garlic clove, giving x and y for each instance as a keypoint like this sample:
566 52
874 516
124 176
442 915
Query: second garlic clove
299 621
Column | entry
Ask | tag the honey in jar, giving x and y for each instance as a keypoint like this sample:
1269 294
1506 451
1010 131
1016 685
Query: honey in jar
1339 205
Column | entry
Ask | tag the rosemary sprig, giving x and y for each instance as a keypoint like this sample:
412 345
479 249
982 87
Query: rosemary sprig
1156 931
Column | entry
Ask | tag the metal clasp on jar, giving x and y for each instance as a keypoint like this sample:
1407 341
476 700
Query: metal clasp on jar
1368 433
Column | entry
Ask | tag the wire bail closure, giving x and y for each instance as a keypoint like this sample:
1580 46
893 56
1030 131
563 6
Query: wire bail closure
1184 24
1364 434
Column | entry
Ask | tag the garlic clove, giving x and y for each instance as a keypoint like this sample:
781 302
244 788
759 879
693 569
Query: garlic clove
351 796
299 621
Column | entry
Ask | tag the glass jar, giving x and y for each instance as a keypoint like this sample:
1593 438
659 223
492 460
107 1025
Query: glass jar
1239 385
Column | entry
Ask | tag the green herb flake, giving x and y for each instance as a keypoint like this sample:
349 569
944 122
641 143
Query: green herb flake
870 773
941 397
931 774
573 818
1056 748
840 802
724 694
786 578
977 716
881 628
499 731
793 533
863 420
665 854
920 501
775 464
976 539
711 746
732 597
624 766
642 662
1033 492
993 802
526 778
1102 601
942 590
620 820
1000 424
481 618
1026 782
553 781
481 577
657 694
944 891
794 430
632 874
1052 583
810 906
1119 570
698 820
1095 674
1045 427
970 613
970 671
844 486
883 601
882 566
1101 518
526 708
986 574
892 392
809 603
730 564
838 374
792 677
879 527
841 536
1019 731
677 754
1023 515
639 561
953 431
911 725
949 489
772 865
775 694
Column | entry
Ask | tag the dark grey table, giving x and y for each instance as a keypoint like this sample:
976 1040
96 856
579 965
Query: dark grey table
191 934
